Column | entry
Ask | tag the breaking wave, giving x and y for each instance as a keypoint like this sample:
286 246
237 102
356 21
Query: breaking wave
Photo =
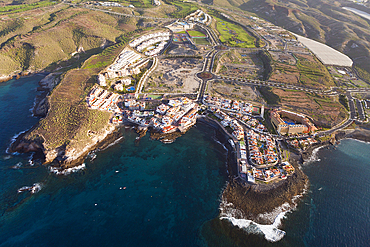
314 156
36 187
92 155
235 216
30 160
223 146
17 166
270 232
12 140
113 143
59 171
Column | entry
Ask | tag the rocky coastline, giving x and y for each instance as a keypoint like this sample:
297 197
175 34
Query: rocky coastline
17 75
251 199
254 200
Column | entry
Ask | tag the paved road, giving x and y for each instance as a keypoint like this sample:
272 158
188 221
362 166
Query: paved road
207 67
279 85
352 107
360 109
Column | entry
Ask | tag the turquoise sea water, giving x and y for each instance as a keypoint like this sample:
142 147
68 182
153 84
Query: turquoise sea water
154 194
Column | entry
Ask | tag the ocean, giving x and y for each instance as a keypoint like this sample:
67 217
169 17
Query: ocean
146 193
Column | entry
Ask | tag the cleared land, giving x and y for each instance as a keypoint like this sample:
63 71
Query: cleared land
238 63
324 110
308 72
233 90
174 76
326 54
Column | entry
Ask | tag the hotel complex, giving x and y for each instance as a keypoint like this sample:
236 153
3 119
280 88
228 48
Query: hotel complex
287 122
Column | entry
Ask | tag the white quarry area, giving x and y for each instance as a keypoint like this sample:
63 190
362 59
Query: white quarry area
152 44
326 54
358 12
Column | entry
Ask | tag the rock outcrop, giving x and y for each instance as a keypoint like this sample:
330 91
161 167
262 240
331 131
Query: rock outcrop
253 200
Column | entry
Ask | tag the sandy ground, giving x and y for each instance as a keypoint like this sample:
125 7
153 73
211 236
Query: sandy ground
234 90
175 76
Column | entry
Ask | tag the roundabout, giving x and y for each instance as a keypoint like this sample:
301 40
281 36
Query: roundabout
205 75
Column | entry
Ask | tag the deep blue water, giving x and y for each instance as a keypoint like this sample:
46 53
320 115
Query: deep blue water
144 194
171 191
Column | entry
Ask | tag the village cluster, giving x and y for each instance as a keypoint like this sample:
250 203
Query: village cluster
230 105
301 143
118 75
199 16
103 100
261 160
152 44
258 153
178 114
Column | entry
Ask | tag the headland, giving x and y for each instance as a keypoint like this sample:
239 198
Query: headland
166 79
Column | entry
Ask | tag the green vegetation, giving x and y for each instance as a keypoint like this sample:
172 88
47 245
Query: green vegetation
11 9
234 35
23 55
270 97
48 40
267 122
344 101
308 72
365 75
267 62
195 33
201 41
11 27
69 122
183 9
103 59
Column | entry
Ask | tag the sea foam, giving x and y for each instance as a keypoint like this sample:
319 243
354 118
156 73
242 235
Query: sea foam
314 156
271 232
235 216
17 166
36 187
12 140
59 171
113 143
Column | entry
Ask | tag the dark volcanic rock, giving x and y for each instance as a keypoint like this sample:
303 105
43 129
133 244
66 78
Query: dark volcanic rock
256 199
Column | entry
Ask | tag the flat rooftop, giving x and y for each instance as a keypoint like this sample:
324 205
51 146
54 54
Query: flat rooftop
326 54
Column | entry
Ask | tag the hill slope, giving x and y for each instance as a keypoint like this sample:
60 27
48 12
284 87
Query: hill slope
322 20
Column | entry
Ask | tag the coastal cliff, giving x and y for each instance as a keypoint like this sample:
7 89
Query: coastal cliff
69 129
254 200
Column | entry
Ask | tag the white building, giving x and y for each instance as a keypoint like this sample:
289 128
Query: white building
101 80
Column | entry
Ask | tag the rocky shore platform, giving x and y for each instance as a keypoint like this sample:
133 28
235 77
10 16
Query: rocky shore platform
255 199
